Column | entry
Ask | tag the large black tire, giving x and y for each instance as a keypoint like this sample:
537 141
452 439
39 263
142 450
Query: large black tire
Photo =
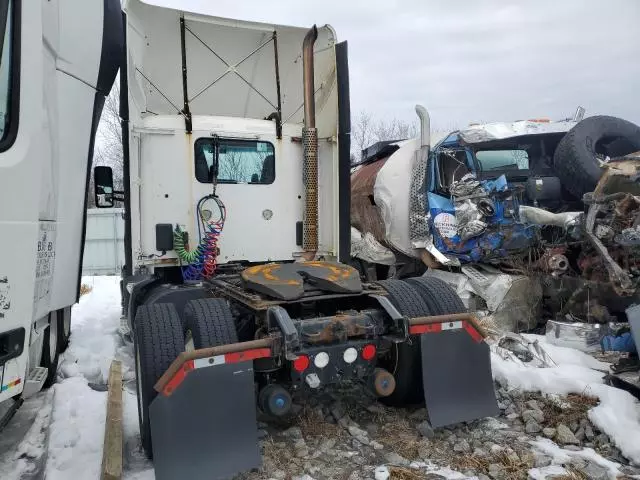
159 339
64 332
405 361
440 298
211 322
575 159
51 349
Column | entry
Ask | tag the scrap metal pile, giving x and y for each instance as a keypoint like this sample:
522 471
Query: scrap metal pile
526 218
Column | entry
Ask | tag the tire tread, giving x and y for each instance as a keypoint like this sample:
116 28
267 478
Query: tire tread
211 322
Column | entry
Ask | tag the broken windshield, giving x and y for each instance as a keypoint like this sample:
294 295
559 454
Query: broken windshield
503 160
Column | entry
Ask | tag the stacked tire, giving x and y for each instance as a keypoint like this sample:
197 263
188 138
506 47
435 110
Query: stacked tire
579 155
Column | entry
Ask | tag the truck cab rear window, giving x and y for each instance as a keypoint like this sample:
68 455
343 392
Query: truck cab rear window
238 161
503 160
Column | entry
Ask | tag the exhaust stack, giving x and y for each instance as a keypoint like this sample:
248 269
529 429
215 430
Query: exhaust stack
425 127
310 149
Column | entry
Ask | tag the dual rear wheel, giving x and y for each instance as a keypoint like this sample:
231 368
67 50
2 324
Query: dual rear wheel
160 334
415 297
160 337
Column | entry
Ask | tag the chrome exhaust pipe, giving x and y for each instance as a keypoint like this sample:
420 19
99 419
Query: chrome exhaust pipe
310 149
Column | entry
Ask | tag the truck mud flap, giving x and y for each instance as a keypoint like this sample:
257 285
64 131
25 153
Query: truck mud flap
456 375
206 427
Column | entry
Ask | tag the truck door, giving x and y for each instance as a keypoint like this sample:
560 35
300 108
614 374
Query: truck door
260 185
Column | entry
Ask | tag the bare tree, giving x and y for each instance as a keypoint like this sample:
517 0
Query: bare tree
108 146
367 131
362 132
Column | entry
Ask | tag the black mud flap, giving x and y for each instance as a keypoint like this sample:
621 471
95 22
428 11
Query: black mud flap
207 428
457 380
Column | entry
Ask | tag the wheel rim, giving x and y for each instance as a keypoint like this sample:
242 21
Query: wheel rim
53 339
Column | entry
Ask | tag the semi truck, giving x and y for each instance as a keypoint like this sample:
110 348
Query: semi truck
514 212
237 290
58 61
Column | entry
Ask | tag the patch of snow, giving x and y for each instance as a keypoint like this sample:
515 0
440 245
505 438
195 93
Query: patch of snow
77 431
560 455
24 461
546 472
494 424
94 324
448 473
568 356
617 415
77 427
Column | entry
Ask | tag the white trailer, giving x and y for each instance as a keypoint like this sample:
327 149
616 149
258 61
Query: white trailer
58 62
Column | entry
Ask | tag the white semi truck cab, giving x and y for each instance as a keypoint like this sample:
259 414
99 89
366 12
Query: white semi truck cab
58 60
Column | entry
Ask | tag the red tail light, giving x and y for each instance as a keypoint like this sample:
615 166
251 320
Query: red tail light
369 352
301 363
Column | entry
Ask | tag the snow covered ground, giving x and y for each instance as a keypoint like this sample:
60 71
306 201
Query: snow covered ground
77 426
77 420
617 415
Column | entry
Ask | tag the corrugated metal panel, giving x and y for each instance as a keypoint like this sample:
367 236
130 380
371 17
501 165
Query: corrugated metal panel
104 242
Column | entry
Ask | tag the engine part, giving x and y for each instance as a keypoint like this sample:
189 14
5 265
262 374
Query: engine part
486 207
558 263
628 237
538 216
581 336
543 189
619 278
472 229
554 261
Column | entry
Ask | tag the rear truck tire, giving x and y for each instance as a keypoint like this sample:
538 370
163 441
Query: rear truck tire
405 361
64 332
210 322
440 298
51 349
575 158
159 339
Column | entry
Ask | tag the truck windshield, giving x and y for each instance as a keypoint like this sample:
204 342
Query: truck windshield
503 160
5 67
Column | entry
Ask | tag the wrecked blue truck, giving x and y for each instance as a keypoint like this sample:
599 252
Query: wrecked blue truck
501 202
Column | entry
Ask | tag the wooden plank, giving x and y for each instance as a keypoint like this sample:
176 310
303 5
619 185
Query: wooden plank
113 434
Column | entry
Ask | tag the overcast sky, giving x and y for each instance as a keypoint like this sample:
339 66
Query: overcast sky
484 60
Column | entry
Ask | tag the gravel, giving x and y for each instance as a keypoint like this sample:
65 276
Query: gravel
462 447
348 437
533 415
532 427
565 436
593 471
425 429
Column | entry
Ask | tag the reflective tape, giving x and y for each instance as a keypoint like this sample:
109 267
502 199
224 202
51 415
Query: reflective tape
235 357
440 327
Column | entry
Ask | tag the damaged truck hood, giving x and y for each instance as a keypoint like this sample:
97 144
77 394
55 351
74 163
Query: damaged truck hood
500 130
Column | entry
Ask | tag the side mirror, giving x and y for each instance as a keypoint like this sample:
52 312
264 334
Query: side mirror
103 183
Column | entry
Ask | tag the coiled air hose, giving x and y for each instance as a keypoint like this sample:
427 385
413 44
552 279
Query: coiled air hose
201 262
